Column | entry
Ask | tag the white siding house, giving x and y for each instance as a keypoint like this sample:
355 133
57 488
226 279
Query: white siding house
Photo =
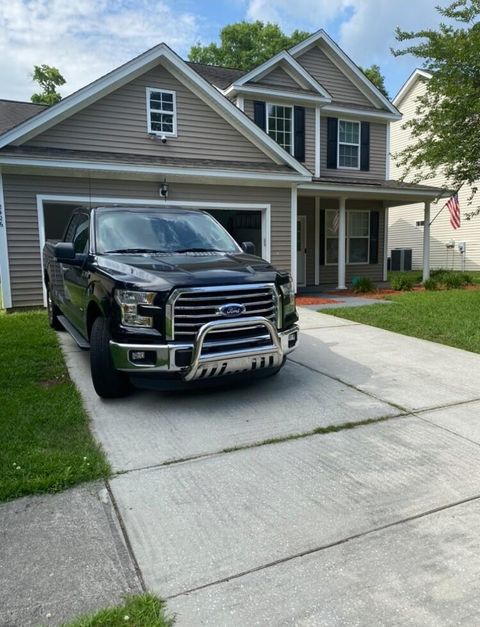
405 228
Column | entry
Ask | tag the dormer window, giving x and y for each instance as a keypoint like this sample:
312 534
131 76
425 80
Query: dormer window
161 112
280 125
348 144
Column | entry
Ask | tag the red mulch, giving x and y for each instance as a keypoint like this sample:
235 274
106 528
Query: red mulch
314 300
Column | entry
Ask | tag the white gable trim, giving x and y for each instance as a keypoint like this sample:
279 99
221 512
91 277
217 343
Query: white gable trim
409 83
368 114
277 92
366 86
122 75
294 69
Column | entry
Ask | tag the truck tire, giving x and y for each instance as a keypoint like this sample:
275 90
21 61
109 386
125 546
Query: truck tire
53 313
108 382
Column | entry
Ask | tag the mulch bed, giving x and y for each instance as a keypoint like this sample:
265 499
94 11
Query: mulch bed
315 300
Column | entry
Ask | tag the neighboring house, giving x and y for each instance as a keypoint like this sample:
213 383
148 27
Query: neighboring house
290 155
406 223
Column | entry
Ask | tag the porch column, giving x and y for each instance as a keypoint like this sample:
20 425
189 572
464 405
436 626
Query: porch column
342 226
426 242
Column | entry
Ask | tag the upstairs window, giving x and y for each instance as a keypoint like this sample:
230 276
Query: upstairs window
161 112
349 144
280 125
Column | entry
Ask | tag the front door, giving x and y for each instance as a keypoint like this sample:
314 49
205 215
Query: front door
301 250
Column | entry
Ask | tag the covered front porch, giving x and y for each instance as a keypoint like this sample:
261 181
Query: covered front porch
341 230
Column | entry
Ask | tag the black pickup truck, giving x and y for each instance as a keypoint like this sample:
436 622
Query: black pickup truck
165 298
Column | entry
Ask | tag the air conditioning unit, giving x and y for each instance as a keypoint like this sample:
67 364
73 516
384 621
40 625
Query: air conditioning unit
401 259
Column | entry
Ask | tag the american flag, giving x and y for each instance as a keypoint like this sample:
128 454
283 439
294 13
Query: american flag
454 208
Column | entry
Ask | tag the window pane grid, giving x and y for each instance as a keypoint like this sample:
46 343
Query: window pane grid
357 237
348 144
280 125
161 112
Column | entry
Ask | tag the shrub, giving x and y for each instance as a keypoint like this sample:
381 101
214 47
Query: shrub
404 282
467 279
431 284
453 280
363 285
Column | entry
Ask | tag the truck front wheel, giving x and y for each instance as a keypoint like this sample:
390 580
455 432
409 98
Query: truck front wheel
108 382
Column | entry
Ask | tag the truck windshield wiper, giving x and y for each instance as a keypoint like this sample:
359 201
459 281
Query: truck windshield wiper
198 250
134 250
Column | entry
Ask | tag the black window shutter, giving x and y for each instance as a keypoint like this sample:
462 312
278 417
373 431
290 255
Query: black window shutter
259 114
321 260
332 135
374 236
299 129
365 146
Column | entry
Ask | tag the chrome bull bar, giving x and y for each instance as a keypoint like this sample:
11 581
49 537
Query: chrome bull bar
205 366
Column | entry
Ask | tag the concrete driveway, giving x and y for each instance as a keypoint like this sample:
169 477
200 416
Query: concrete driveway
236 522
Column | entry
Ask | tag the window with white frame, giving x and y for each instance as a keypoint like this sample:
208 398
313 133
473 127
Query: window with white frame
161 112
357 238
280 125
348 144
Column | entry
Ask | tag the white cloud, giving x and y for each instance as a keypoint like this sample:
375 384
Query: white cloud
83 38
296 14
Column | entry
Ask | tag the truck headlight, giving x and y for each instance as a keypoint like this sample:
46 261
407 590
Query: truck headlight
288 294
129 302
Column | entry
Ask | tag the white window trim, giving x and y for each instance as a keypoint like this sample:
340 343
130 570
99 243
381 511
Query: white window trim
173 133
347 238
285 106
346 167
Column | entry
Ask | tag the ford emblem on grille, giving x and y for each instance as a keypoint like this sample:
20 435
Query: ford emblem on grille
231 310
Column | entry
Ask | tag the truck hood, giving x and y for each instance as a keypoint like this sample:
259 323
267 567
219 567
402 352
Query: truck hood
160 272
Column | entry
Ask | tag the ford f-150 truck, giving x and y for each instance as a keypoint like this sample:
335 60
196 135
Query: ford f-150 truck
165 298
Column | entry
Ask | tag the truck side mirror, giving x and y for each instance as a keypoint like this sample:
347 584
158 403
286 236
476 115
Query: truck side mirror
64 251
248 248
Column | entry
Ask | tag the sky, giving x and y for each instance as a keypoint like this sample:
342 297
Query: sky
87 38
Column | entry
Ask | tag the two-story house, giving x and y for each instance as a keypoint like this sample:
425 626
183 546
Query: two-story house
457 249
292 155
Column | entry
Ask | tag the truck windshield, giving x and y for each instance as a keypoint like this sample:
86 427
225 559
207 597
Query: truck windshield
160 231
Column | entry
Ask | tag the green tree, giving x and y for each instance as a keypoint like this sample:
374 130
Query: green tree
49 78
244 45
376 77
446 129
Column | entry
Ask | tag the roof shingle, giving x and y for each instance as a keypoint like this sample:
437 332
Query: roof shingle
13 112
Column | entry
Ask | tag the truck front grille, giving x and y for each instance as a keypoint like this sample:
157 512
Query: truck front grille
193 307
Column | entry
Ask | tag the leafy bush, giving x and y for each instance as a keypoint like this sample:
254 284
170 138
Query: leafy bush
467 279
404 282
431 284
363 285
453 280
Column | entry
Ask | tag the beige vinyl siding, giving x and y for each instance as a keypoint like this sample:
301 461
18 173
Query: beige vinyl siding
338 85
118 123
22 228
309 130
378 148
277 78
403 232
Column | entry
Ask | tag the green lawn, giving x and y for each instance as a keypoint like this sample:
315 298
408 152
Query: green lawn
144 610
450 317
46 442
